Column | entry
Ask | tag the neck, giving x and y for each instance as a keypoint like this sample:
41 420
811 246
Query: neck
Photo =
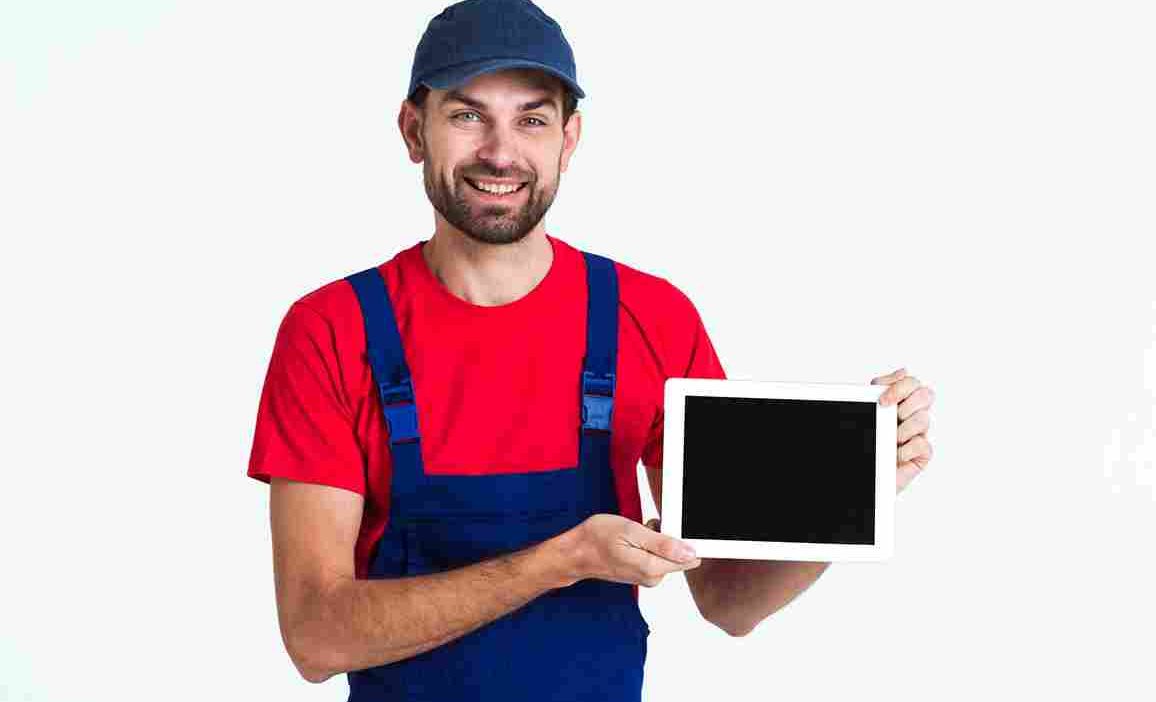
488 274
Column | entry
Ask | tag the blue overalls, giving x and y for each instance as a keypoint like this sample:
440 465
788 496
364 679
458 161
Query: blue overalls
583 642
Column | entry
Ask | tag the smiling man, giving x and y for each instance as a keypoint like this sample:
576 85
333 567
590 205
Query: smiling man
451 436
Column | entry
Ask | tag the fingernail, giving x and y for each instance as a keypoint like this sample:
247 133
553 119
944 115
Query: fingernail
685 553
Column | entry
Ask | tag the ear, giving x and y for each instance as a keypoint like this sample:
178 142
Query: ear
409 122
570 134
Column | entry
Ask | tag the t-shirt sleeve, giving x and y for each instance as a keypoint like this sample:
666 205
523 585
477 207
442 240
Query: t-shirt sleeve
305 429
690 354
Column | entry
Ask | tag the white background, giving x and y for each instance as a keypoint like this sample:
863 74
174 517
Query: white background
842 188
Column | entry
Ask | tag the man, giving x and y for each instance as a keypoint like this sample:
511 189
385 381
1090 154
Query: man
451 436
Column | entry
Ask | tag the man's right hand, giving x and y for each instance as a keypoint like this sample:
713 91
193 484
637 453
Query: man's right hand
612 547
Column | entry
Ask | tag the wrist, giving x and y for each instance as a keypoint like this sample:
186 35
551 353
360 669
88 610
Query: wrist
563 559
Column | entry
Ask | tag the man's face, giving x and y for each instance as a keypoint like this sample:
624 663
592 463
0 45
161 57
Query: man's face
493 151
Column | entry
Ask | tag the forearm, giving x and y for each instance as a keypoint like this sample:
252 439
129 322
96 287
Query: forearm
358 624
737 594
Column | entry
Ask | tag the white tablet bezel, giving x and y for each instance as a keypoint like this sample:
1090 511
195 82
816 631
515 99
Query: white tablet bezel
675 393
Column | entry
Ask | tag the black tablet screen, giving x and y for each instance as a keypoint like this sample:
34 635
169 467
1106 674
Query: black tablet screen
759 469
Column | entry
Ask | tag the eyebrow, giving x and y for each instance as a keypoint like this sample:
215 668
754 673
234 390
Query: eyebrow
455 96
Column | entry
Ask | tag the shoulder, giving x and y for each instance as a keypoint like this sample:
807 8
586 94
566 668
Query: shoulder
662 319
330 302
659 319
320 320
334 306
653 299
649 299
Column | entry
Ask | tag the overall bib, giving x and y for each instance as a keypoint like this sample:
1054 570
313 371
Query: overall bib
584 642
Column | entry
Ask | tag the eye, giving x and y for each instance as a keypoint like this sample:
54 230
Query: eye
540 123
462 116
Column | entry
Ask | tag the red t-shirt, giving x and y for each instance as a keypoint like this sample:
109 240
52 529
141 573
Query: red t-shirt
496 387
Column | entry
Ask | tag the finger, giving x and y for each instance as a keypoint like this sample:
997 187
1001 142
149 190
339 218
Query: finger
656 565
906 472
920 399
917 448
899 390
917 423
890 377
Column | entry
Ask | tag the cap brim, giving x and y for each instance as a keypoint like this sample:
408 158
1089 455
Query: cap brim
460 74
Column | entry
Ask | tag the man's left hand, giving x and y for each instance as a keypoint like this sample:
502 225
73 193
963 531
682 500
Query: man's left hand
914 418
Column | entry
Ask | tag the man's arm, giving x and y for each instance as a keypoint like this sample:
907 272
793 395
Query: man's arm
332 622
736 594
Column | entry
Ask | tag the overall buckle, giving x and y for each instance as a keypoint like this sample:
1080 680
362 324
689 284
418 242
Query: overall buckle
400 411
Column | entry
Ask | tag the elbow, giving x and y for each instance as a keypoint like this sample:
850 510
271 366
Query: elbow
734 629
739 631
311 648
309 659
308 635
731 625
314 675
721 618
712 606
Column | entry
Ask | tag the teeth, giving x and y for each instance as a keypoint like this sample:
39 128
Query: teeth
497 189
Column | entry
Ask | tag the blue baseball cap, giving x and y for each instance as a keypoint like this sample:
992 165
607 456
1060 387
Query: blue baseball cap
473 37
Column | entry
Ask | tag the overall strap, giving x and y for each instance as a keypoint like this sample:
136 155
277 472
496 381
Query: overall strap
598 379
598 367
386 357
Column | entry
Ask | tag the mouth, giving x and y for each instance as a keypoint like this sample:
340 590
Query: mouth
495 189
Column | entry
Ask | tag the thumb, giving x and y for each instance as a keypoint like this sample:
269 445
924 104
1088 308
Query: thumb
667 547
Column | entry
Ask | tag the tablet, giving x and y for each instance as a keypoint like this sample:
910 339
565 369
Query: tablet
773 470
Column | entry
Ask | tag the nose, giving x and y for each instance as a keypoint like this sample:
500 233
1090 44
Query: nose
498 148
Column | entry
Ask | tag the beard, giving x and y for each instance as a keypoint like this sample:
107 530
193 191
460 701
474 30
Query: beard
489 224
